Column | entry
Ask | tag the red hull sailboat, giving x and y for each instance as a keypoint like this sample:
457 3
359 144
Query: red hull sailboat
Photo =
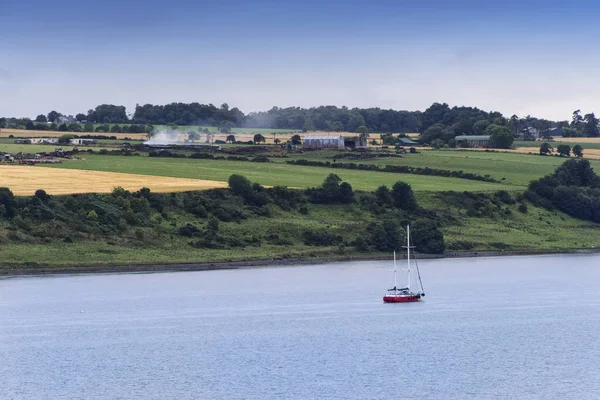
404 295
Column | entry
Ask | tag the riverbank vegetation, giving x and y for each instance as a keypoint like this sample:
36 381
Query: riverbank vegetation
248 221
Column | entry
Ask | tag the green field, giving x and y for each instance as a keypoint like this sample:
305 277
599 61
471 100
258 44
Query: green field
516 169
270 174
572 142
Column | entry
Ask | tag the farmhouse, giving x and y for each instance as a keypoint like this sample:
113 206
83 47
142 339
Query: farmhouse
323 142
477 141
37 141
83 141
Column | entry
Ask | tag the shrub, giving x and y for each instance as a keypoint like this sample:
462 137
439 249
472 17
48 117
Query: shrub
523 208
321 238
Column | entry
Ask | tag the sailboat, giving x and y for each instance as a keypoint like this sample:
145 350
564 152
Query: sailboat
404 295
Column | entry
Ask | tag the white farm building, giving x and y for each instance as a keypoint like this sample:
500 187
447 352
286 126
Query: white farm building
323 142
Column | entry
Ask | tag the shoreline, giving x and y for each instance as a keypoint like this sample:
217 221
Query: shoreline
8 272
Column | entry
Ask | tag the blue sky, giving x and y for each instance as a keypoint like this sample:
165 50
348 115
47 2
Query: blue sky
517 57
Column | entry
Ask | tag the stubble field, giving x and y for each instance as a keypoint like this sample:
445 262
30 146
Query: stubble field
25 180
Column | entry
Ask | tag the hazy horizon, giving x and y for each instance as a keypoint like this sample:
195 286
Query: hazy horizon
518 57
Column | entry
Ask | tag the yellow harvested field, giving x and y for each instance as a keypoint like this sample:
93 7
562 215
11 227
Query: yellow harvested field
25 180
4 133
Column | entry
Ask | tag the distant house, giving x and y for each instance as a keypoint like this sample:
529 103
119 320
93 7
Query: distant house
476 141
530 132
82 142
41 141
323 142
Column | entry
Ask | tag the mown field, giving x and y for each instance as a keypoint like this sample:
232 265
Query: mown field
269 174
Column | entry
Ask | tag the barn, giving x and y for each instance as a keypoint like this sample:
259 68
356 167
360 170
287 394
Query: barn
323 142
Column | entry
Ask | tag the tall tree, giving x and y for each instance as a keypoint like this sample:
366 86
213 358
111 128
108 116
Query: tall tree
500 136
590 128
53 116
545 148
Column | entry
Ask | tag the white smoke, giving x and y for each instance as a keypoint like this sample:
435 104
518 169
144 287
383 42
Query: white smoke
164 136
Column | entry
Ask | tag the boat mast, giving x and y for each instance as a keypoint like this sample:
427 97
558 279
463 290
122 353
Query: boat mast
408 253
395 283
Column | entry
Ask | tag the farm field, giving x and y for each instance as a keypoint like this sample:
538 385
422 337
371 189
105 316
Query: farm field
25 180
586 143
21 133
269 174
39 148
516 169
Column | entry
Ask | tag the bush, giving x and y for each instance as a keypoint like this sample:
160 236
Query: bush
321 238
188 230
523 208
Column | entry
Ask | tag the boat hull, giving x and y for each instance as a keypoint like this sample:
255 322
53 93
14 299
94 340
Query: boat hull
410 298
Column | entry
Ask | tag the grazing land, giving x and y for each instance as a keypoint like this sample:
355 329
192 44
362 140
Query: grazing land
25 180
269 174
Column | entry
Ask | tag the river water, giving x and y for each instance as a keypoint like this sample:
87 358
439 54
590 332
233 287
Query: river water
489 328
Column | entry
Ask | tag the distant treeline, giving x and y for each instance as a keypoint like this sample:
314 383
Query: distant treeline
450 120
403 169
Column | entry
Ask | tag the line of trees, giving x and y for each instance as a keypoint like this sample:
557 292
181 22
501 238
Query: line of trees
439 121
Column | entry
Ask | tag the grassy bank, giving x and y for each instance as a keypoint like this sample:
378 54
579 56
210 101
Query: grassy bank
468 224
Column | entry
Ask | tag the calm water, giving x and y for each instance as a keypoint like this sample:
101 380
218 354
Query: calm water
507 328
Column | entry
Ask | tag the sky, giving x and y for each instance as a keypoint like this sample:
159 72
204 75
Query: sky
525 57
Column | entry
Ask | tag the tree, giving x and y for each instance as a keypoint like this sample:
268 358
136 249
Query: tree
230 139
53 116
276 141
65 139
81 117
437 144
576 120
426 236
193 136
403 196
545 149
590 128
296 139
41 194
63 127
88 127
258 138
480 126
383 195
436 131
563 150
240 185
578 151
41 118
500 136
